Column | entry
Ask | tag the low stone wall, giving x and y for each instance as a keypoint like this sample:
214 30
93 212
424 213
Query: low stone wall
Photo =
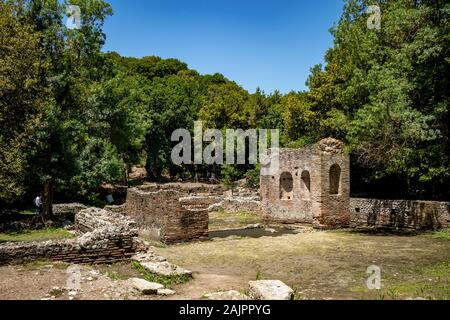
241 204
121 209
402 214
162 216
110 238
228 203
187 188
68 209
94 219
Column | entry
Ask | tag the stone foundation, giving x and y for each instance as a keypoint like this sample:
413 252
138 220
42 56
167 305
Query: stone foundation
399 214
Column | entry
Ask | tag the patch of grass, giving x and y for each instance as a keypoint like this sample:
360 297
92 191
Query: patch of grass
50 233
57 293
115 276
377 232
40 264
441 235
298 296
118 271
166 281
28 212
430 282
431 291
223 220
437 270
113 272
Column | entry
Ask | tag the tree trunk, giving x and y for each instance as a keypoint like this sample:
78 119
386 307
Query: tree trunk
126 173
47 201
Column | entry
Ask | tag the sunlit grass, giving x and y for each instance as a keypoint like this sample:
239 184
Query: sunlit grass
222 220
35 235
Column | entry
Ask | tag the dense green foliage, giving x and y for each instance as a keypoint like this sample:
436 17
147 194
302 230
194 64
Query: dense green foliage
73 118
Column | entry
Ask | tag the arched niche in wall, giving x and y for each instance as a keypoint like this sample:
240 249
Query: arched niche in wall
335 179
286 186
306 185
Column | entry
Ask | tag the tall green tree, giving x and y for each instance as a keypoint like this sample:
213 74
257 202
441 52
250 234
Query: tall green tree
74 61
22 97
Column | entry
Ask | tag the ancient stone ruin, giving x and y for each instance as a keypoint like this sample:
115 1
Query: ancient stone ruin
102 237
163 216
173 213
311 186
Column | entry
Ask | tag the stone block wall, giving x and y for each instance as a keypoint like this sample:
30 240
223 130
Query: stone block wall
108 239
401 214
70 209
163 216
200 189
241 204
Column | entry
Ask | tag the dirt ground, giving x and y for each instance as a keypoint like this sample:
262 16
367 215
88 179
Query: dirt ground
317 264
327 265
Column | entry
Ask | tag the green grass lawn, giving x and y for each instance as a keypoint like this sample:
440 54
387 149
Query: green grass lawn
441 235
35 235
222 220
328 265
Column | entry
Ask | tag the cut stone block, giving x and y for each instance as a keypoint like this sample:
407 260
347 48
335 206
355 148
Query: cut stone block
226 295
146 287
270 290
166 292
148 257
165 269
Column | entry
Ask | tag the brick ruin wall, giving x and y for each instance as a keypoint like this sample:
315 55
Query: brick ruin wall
294 203
334 200
401 214
304 189
161 215
104 237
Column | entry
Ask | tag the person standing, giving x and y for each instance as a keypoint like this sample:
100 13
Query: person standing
38 204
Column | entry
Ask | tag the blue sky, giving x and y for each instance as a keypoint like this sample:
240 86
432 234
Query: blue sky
267 44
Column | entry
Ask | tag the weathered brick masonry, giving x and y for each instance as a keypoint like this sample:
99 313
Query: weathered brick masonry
312 186
165 216
106 238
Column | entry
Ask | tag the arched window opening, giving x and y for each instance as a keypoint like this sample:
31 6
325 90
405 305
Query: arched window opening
286 186
335 179
306 184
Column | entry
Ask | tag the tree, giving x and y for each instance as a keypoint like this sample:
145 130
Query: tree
386 92
74 60
22 97
119 116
